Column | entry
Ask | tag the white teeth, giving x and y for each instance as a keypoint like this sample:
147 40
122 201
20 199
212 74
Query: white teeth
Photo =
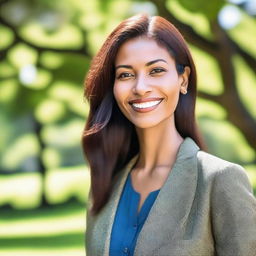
146 104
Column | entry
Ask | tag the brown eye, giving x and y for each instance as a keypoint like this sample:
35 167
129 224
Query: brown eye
125 75
157 70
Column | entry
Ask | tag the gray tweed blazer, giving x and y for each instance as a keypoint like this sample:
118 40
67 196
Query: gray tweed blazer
205 208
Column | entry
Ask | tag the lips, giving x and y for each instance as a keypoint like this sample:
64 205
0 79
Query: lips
145 105
144 100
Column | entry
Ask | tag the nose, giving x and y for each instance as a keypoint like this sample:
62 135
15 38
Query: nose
141 86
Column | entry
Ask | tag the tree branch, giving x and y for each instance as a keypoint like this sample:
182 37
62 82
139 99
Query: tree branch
236 113
3 2
249 59
18 39
222 49
189 33
211 97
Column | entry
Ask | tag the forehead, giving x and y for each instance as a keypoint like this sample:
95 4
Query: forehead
141 49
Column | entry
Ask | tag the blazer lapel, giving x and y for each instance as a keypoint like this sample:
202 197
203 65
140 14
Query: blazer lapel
169 212
106 217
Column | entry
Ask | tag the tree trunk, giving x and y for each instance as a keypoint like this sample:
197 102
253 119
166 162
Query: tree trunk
37 127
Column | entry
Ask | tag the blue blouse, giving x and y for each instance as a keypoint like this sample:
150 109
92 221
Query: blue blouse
128 223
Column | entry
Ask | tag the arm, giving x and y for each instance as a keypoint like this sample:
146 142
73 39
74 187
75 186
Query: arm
233 211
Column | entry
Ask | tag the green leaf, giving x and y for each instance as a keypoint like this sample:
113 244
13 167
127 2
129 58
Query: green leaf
209 8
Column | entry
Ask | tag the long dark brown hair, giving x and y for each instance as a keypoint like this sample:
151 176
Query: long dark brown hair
109 140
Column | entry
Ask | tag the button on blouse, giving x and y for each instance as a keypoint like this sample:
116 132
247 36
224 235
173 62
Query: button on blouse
128 223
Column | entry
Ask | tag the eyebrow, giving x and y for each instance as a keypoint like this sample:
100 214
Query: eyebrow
147 64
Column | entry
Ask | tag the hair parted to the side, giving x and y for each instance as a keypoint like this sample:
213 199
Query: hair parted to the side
109 140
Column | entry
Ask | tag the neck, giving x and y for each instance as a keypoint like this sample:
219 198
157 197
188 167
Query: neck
158 146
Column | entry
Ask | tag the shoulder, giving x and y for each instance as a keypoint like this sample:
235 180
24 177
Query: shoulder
220 171
226 193
214 165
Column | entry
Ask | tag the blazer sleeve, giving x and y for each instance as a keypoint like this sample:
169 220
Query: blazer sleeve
88 223
233 209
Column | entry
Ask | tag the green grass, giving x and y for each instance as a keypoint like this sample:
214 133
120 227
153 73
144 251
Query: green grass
57 230
51 231
23 191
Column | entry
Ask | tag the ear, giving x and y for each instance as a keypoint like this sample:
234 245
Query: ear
184 80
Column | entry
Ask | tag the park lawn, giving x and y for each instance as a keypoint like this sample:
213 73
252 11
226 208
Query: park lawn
57 230
52 231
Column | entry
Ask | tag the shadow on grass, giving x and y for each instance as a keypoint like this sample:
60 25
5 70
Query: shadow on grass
57 241
65 209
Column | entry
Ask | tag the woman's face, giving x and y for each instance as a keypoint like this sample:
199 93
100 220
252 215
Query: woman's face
147 85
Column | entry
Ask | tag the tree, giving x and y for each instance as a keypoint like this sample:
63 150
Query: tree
59 38
223 48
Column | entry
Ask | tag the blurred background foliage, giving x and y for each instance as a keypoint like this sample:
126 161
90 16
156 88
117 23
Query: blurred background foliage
45 51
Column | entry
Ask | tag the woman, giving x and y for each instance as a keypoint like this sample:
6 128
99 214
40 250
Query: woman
154 191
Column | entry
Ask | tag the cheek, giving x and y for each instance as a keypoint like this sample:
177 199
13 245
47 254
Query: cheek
172 93
120 97
120 93
171 88
116 92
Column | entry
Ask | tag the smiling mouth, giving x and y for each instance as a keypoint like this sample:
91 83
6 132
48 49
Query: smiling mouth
146 104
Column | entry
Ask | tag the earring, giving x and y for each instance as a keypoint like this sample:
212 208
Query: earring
183 91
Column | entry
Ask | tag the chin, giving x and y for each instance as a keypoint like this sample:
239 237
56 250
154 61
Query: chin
145 124
152 122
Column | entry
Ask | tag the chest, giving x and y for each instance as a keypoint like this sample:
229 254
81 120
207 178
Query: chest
144 185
